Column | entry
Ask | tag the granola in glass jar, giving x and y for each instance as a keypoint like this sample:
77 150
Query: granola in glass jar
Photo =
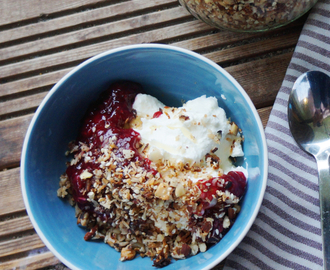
247 15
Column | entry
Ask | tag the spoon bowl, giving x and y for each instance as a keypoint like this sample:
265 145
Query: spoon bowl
309 121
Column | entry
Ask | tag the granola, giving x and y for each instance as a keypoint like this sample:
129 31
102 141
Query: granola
247 15
137 206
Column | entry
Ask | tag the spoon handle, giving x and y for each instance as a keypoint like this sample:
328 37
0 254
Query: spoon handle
324 190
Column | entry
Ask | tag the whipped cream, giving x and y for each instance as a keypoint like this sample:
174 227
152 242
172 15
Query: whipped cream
188 133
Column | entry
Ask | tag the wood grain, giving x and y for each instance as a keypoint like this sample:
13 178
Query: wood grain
105 30
254 49
205 42
12 132
75 20
10 192
19 245
20 10
32 83
31 262
21 104
15 226
267 74
80 54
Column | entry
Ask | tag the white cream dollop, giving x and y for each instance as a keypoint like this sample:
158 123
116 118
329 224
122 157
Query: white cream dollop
186 134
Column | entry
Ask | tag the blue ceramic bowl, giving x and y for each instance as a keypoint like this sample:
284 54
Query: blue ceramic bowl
169 73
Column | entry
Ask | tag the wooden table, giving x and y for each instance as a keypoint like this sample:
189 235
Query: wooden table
41 41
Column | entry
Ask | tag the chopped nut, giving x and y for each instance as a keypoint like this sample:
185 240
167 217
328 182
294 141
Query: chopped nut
202 247
127 253
91 234
185 250
163 192
85 175
226 222
83 219
61 192
194 248
91 195
180 190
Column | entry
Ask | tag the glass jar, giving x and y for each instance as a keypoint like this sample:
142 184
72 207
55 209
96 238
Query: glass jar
247 15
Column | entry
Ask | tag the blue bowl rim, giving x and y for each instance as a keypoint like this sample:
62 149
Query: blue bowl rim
137 47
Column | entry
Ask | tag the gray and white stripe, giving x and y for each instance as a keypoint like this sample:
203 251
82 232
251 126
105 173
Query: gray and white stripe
287 233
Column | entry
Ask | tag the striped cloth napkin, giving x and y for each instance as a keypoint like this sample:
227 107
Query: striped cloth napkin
287 233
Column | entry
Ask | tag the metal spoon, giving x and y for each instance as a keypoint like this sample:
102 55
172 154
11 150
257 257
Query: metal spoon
309 121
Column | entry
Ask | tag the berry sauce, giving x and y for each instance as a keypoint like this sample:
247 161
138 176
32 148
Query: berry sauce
105 118
235 183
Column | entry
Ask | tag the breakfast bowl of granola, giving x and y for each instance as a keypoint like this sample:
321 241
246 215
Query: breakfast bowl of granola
144 156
